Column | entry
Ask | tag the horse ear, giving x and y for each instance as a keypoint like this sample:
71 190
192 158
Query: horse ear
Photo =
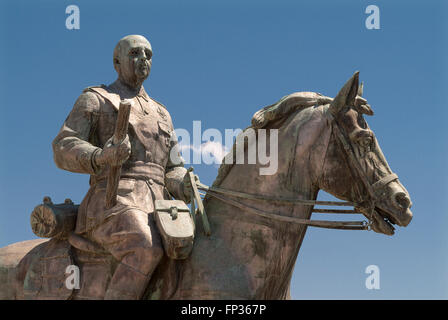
361 89
347 95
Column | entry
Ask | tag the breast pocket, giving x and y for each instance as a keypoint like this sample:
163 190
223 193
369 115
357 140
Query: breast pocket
164 133
106 126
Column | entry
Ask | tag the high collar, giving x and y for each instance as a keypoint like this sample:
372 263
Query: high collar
125 92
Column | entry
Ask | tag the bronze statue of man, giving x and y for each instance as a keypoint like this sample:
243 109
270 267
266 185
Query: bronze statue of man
127 231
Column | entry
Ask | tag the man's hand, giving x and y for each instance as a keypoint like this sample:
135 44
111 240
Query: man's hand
188 189
113 155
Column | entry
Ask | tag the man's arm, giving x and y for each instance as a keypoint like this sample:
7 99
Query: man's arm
175 172
72 150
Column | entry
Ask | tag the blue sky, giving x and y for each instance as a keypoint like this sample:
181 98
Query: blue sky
219 62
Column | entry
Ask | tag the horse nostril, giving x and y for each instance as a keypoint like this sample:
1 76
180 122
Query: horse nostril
402 200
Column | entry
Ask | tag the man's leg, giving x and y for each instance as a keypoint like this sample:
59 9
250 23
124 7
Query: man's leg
133 239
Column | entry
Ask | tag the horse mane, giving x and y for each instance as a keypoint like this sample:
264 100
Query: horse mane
272 114
284 107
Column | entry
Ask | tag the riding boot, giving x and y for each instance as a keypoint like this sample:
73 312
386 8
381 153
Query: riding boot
126 284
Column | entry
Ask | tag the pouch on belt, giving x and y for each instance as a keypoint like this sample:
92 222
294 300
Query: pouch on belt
176 227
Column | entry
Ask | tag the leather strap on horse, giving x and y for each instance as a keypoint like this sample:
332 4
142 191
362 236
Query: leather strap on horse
372 189
268 198
384 182
367 207
195 196
343 225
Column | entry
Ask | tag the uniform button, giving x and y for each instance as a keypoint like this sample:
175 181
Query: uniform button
151 182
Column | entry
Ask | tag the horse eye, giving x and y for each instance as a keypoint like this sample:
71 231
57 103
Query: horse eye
366 141
362 123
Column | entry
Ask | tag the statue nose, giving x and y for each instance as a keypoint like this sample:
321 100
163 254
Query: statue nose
402 200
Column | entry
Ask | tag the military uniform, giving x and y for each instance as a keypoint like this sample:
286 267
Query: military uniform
127 230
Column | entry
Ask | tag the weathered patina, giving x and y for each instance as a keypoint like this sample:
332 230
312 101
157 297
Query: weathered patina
247 256
127 230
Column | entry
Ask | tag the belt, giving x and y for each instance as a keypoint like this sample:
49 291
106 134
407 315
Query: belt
139 170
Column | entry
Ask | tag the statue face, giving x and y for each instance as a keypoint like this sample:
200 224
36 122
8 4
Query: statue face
132 60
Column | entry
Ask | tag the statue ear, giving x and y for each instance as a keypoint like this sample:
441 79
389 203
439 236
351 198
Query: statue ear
361 89
364 109
116 61
347 95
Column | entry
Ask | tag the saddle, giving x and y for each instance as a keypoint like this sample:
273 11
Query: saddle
48 266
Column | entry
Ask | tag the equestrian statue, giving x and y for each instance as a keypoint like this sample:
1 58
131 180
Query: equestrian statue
134 236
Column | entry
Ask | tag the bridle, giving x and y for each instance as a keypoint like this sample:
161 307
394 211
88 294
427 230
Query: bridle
365 207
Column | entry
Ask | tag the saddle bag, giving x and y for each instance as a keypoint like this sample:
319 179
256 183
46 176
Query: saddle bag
176 227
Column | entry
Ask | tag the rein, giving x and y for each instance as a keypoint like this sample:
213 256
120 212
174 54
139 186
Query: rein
222 194
347 225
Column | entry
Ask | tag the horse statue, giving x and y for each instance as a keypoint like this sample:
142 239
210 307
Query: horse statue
258 222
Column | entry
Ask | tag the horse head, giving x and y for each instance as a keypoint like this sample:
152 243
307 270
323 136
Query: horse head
355 167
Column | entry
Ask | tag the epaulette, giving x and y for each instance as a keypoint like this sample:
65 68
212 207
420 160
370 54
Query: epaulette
91 87
158 103
103 91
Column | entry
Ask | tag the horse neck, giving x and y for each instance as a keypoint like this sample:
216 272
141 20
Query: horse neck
301 137
302 141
